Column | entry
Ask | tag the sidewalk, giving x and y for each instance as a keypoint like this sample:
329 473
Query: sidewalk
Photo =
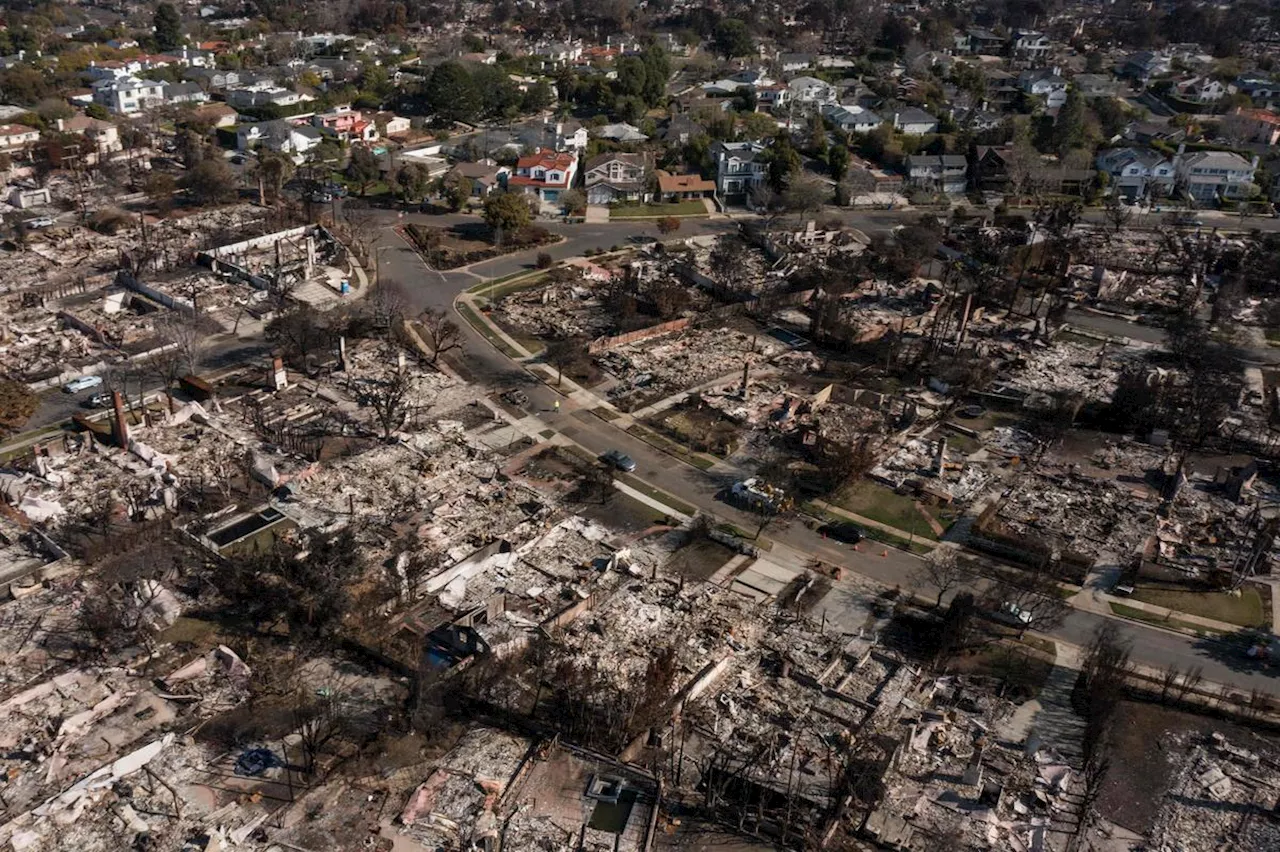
867 522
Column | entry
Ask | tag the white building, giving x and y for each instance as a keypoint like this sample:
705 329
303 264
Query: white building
14 137
852 119
1209 176
739 167
128 95
1137 172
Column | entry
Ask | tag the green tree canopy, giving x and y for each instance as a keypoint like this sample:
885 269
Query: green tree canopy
507 212
451 94
732 38
168 27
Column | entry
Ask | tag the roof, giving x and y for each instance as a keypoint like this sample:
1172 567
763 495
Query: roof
601 159
668 182
946 160
1217 159
621 131
804 82
16 129
547 159
1264 115
914 115
477 170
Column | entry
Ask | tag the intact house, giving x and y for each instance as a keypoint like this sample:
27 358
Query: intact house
1201 90
792 62
683 187
1137 172
545 174
390 124
1261 88
218 115
280 136
621 132
680 129
1209 176
914 122
1031 44
15 137
103 136
978 40
811 91
851 119
618 177
1258 126
739 167
1045 84
938 173
485 176
345 124
264 94
564 135
1144 65
128 95
558 53
213 78
184 93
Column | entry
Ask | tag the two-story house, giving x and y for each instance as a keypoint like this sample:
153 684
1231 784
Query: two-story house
811 91
1030 44
1201 90
264 94
545 174
1137 172
345 124
1144 65
851 119
1257 126
485 176
1261 88
739 167
128 95
618 177
1209 176
913 121
103 136
184 93
15 137
938 173
1095 85
281 136
558 53
1044 83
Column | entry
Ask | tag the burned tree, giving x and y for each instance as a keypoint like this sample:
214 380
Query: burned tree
442 334
392 401
569 354
942 570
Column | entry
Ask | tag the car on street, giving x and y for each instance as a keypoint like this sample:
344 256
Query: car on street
82 383
320 198
40 222
849 533
515 396
620 460
99 400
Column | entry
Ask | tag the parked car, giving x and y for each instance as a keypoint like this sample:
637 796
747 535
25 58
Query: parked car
337 190
40 222
100 400
515 396
320 198
620 460
82 383
849 533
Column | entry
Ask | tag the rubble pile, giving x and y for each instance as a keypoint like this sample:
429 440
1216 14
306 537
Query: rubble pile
558 311
656 368
35 342
1222 796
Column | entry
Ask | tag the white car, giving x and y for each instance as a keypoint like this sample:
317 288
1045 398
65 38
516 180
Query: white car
40 222
81 383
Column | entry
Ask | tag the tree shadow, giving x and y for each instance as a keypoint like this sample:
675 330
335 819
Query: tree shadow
1233 650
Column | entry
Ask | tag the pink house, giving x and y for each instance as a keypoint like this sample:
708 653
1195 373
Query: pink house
346 124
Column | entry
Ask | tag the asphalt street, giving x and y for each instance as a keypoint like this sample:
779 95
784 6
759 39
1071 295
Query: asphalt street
480 362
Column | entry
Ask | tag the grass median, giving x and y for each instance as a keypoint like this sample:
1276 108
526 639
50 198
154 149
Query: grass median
477 322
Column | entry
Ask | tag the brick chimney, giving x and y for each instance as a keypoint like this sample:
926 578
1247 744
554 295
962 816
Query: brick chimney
279 376
119 425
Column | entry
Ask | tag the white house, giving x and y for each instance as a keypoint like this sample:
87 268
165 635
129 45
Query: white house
264 94
280 135
938 173
851 119
14 137
1046 84
545 174
618 177
1209 176
914 122
812 91
184 93
1031 44
1137 172
128 95
739 167
1201 90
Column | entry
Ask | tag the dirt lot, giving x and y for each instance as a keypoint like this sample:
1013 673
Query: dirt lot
699 560
700 427
1141 768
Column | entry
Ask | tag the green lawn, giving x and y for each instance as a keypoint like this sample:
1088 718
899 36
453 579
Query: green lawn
1273 336
507 284
657 494
878 503
1151 618
636 211
1245 609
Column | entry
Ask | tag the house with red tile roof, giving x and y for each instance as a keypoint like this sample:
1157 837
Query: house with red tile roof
544 173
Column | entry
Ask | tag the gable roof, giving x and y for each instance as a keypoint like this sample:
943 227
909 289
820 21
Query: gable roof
631 159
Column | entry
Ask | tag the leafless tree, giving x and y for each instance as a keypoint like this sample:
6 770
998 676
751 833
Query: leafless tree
392 401
319 720
1029 599
1116 214
442 334
942 570
567 354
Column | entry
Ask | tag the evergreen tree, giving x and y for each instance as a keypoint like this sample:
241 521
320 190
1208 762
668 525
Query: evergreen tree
168 27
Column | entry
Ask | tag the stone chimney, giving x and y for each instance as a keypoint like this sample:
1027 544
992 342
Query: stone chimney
279 376
119 425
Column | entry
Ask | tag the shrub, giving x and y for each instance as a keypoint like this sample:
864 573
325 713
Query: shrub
544 260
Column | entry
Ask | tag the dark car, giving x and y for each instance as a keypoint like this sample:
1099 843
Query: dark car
846 532
516 396
620 460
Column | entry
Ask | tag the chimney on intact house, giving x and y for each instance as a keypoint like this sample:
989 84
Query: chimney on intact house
119 425
279 376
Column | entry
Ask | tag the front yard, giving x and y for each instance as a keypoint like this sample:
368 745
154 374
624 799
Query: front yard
641 211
